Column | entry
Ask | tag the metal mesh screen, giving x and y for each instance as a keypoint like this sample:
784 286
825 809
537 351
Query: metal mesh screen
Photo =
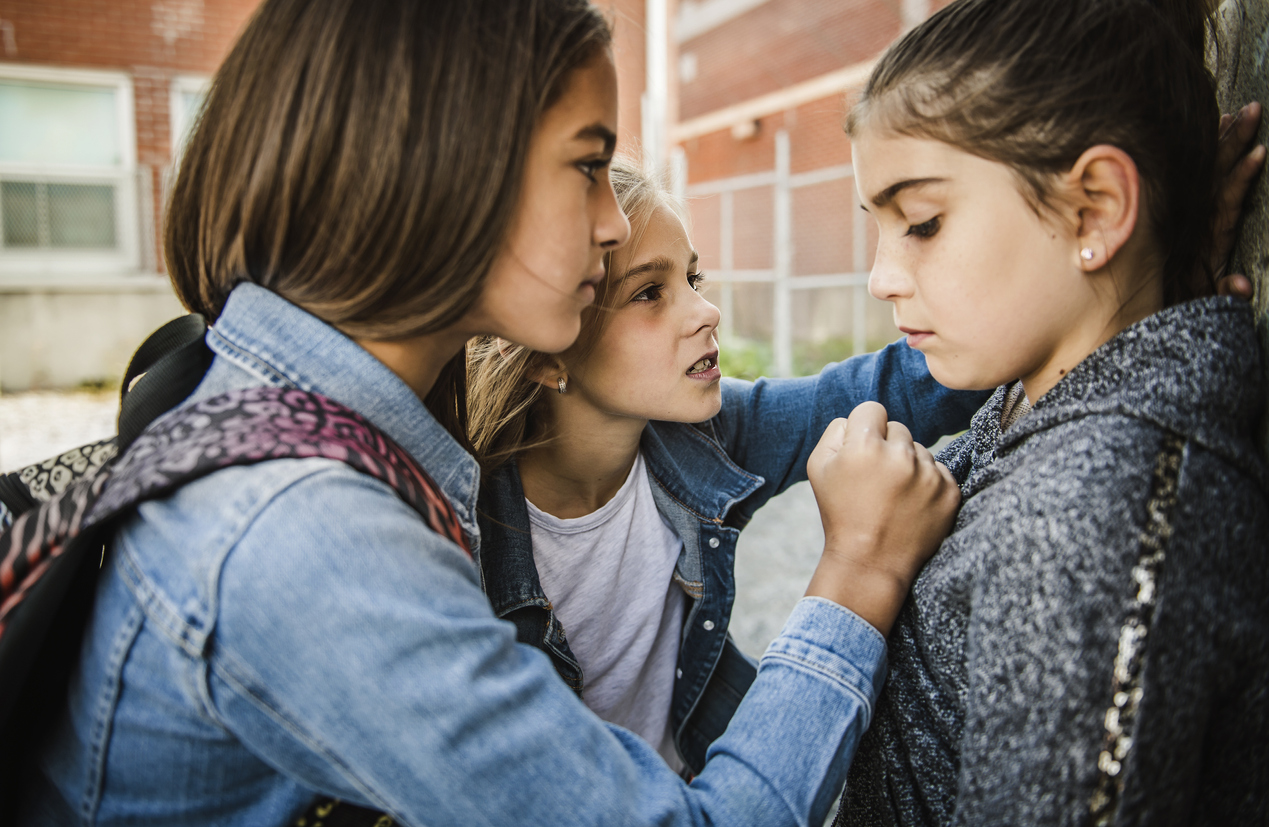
48 215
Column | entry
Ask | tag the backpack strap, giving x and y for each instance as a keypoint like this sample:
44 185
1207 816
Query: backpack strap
241 427
164 371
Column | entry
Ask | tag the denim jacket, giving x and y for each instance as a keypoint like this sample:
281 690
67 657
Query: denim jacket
708 480
272 633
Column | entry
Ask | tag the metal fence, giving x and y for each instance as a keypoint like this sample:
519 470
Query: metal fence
785 283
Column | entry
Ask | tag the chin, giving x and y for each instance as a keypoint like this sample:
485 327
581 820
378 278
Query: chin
556 340
960 380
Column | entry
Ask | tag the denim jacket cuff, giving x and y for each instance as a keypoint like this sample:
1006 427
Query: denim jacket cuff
826 637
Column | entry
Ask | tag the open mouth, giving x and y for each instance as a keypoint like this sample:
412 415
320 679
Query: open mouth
703 365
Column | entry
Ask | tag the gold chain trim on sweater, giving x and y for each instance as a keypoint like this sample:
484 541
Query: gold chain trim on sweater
1126 688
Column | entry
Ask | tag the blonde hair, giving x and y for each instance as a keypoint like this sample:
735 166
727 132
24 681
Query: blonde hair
504 403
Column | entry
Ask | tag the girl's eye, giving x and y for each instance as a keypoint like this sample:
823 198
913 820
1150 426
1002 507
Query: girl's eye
696 281
648 294
591 168
924 230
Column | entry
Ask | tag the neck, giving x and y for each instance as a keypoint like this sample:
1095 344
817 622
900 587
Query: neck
417 360
584 464
1143 298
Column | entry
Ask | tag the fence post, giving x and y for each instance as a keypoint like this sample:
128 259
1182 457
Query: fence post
782 340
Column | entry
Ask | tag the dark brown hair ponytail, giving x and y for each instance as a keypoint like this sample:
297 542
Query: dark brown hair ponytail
1034 83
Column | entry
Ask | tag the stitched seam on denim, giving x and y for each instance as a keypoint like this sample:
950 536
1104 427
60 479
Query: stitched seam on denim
224 660
248 360
810 666
157 610
226 542
103 714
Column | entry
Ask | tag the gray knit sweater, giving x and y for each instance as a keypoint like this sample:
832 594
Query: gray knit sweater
1091 644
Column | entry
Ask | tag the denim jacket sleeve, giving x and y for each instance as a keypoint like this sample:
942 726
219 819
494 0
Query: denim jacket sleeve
355 652
769 427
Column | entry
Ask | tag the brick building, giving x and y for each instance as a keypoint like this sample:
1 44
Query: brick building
96 94
763 87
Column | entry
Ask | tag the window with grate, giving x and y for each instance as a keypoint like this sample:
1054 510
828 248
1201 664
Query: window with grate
67 165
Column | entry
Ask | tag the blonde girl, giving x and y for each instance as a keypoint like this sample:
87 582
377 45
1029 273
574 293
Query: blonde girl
619 474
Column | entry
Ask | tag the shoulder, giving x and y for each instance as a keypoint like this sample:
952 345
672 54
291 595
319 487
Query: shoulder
1078 489
280 525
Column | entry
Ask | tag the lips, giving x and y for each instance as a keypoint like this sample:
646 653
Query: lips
916 337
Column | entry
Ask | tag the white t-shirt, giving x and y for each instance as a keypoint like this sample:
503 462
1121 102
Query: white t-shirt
608 577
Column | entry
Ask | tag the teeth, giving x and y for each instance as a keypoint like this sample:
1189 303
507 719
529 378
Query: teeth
704 364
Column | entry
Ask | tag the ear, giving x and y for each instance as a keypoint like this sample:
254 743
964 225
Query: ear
548 372
1105 192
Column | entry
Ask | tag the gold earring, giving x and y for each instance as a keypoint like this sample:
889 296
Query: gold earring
562 383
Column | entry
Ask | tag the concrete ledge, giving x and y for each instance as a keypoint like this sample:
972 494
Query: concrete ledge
105 283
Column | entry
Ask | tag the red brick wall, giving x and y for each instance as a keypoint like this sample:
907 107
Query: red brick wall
152 41
627 18
780 43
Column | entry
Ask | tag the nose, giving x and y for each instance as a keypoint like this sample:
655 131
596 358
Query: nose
612 228
888 281
705 315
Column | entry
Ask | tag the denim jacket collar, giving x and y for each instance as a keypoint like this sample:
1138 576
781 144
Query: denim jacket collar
686 467
256 329
695 470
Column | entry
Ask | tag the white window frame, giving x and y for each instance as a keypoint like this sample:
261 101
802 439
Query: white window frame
126 257
180 119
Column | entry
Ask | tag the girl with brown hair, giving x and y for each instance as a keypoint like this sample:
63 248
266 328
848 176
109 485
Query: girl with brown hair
1091 643
371 184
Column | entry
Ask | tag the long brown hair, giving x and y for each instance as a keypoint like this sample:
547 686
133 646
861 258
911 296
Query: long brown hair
504 403
1034 83
363 158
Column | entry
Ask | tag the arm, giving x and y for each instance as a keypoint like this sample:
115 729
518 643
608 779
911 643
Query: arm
1048 595
357 654
769 427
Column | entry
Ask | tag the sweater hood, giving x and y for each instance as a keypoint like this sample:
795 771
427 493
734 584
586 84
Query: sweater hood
1194 369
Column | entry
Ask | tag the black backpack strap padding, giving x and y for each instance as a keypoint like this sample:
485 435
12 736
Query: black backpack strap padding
40 647
168 338
170 364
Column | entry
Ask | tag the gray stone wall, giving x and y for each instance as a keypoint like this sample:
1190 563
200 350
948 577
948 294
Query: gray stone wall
1242 64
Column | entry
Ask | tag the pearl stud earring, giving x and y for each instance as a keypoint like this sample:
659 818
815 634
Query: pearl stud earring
1087 254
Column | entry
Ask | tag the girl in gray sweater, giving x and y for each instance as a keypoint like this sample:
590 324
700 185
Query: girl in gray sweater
1091 643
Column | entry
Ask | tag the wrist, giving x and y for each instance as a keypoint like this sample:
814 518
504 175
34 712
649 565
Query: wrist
875 594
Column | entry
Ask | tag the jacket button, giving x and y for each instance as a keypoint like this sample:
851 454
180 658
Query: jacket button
709 625
713 542
678 673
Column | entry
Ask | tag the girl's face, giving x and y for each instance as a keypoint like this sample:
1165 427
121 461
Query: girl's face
988 290
567 219
657 358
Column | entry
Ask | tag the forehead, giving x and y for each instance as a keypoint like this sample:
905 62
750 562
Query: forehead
663 235
882 158
589 98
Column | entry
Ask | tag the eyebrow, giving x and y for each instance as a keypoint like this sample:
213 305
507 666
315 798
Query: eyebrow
597 131
887 195
660 264
656 265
